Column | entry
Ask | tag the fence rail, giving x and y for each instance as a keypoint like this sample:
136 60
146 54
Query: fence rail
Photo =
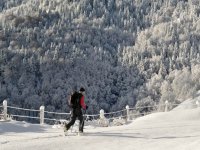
127 113
57 113
21 116
115 112
22 108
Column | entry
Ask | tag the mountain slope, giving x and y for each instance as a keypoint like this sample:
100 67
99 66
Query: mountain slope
121 52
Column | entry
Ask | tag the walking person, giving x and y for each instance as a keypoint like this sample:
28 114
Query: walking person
77 103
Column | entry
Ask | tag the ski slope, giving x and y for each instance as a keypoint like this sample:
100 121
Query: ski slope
178 129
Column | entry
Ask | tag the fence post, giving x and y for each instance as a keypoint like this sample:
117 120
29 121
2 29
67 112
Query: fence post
5 110
102 114
102 120
41 115
197 103
166 106
128 113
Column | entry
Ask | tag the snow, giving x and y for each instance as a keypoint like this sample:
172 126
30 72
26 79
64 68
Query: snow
178 129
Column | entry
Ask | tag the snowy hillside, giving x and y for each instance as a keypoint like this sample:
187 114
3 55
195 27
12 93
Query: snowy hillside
178 129
130 52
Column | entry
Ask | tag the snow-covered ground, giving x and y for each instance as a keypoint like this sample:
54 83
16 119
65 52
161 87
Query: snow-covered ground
178 129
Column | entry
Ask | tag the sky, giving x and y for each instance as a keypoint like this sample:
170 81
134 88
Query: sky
178 129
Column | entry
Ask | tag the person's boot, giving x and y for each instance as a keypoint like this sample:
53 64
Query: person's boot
65 128
80 133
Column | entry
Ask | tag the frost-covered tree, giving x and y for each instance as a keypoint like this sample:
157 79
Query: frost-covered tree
120 51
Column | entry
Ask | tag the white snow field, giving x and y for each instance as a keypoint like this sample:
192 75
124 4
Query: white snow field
178 129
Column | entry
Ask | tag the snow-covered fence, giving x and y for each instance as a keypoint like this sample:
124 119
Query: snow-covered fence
102 119
45 116
22 113
55 119
166 106
128 112
41 115
38 115
5 110
1 112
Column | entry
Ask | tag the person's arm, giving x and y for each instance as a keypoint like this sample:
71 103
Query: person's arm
83 105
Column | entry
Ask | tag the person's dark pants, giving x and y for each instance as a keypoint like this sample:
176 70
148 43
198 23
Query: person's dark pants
76 113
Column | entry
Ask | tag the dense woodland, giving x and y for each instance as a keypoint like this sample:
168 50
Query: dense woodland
135 52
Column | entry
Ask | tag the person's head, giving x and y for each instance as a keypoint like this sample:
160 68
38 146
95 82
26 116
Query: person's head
82 90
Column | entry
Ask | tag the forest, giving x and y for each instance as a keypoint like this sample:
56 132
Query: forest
132 52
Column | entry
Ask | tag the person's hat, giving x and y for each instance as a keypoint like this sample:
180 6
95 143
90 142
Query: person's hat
82 89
